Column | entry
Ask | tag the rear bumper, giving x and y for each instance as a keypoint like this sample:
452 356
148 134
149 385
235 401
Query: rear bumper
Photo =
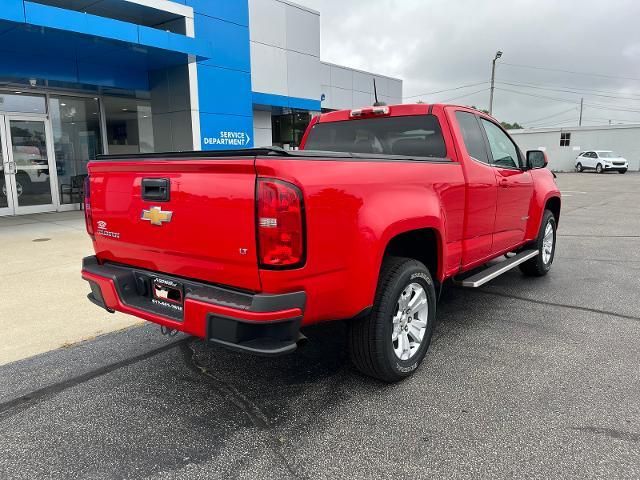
256 323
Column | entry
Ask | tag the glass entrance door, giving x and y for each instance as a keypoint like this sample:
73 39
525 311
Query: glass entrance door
27 166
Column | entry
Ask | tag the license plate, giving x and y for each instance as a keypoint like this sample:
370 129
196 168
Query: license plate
168 291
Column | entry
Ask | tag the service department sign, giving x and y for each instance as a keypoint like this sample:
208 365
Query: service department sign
229 139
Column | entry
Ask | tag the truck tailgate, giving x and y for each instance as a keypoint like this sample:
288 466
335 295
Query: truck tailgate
205 230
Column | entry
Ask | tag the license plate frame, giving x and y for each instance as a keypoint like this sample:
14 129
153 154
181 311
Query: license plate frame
166 290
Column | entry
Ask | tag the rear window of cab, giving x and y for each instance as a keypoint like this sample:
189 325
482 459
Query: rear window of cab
411 136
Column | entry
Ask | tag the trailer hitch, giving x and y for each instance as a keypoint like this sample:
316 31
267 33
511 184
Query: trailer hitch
171 332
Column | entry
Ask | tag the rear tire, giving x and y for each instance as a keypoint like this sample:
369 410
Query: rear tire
540 265
599 168
579 167
391 342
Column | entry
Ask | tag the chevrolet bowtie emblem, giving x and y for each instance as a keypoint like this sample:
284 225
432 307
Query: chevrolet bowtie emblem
156 216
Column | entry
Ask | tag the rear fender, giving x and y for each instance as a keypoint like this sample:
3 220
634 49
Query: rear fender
420 210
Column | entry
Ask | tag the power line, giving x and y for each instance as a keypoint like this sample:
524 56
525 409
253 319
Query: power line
552 116
581 89
446 90
601 106
589 74
566 100
551 124
563 100
557 121
462 96
566 91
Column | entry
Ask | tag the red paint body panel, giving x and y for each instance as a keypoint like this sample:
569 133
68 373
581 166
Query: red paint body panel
353 208
480 200
515 190
212 205
352 212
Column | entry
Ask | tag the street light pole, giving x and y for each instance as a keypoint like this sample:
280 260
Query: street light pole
581 107
493 80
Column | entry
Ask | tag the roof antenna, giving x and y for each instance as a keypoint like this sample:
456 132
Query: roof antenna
375 93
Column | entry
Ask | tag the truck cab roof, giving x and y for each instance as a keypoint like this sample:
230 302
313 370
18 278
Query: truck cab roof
399 110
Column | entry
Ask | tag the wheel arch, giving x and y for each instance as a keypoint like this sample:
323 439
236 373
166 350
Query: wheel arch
553 204
422 244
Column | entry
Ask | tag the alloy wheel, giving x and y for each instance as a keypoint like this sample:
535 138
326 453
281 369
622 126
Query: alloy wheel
547 244
410 321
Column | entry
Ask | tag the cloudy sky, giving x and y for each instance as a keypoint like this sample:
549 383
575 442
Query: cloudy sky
438 45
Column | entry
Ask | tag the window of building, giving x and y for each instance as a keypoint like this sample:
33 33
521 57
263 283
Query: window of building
129 125
289 128
472 135
565 139
19 102
77 139
132 12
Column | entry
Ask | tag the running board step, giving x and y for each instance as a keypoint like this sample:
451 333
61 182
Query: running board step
480 278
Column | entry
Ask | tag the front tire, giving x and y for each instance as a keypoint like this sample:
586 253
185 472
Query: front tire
623 171
579 167
540 265
599 168
391 342
23 184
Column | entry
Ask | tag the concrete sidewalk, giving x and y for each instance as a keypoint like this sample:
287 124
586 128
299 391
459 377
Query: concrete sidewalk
43 304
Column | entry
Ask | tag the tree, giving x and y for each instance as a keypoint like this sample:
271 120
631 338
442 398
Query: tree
511 126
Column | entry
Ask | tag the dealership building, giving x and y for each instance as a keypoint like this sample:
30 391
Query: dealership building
79 78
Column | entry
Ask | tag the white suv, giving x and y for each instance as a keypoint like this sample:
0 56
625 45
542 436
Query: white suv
601 161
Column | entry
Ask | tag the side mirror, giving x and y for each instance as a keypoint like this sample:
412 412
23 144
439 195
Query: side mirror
536 159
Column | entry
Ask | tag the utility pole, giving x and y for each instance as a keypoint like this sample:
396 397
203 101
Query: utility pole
581 105
493 80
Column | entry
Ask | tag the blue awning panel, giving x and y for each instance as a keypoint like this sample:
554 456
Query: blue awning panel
52 43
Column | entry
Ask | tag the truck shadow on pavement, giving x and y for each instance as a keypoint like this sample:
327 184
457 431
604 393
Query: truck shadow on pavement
263 387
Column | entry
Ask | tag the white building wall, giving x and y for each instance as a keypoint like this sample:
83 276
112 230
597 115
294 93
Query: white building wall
346 88
285 49
262 135
285 61
622 139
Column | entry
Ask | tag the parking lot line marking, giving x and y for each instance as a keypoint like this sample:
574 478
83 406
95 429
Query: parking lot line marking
34 397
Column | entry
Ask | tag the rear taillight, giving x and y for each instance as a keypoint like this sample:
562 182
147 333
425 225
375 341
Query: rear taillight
280 224
88 218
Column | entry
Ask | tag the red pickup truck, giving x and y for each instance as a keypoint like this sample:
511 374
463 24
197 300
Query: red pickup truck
367 221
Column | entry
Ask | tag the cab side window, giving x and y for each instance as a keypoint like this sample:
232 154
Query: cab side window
472 136
503 150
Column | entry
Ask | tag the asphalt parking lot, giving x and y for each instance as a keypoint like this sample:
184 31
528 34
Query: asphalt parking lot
536 378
